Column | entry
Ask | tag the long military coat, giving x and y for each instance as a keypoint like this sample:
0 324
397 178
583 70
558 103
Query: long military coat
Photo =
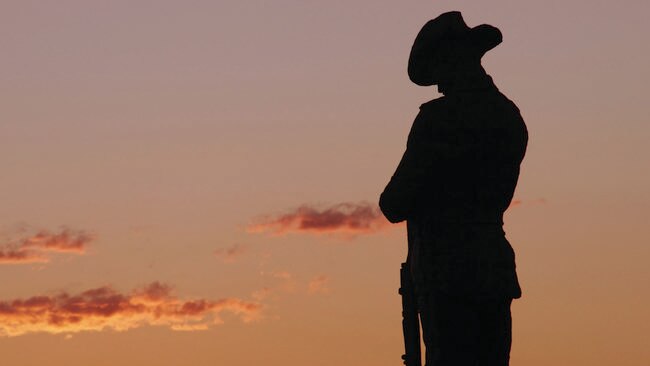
453 184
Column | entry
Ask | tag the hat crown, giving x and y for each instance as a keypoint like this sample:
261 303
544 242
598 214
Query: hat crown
433 40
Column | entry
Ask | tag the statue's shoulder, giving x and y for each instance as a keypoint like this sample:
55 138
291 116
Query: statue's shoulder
437 113
435 105
440 113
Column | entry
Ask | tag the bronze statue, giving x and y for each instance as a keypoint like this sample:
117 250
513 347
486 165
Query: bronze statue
452 186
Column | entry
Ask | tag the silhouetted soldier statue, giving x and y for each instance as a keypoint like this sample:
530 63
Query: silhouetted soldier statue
452 186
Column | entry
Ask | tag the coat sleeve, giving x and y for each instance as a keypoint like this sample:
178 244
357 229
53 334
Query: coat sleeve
434 146
399 200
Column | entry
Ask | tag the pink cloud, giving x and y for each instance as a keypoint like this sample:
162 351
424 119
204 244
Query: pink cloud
64 241
20 256
34 248
104 308
346 218
276 282
232 253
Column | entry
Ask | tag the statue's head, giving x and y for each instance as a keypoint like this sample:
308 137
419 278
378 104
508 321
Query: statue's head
446 46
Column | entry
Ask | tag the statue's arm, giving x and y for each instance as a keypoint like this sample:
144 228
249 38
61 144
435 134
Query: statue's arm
434 148
398 199
404 192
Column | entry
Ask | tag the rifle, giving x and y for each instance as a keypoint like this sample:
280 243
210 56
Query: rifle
410 318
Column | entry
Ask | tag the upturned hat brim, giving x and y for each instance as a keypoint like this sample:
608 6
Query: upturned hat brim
423 69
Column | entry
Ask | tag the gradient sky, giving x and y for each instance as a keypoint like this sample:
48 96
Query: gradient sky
158 158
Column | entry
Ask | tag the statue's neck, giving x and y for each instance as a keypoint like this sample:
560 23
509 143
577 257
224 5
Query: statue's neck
469 79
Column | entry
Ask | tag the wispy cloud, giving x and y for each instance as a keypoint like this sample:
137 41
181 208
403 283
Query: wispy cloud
277 281
104 308
64 241
283 282
231 253
319 285
36 247
346 218
20 256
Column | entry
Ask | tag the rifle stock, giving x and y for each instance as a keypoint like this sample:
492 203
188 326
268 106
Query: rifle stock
410 319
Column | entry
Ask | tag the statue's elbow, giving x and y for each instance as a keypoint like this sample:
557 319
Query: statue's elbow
390 209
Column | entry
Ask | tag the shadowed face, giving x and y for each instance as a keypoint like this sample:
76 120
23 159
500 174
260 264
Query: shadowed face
453 60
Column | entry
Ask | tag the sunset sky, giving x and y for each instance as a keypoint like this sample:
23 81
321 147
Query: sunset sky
196 182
